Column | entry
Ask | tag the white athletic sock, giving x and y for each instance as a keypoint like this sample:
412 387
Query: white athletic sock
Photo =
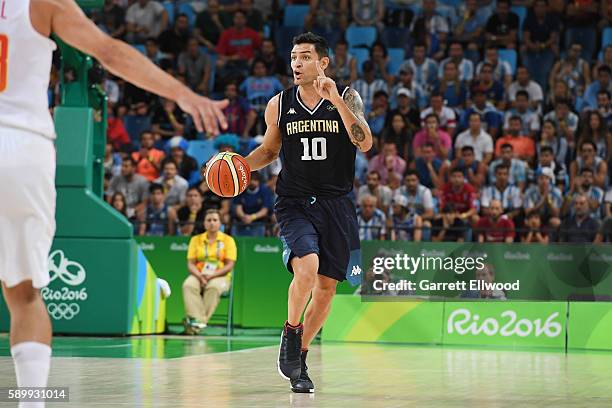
32 362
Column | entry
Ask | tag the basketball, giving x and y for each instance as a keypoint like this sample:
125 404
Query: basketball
228 174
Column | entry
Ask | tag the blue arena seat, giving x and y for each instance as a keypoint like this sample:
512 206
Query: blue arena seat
396 58
201 150
606 38
361 36
510 57
185 8
169 6
521 12
361 55
295 14
135 125
140 47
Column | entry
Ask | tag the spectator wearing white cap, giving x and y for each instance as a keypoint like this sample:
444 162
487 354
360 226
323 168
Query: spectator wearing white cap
187 165
406 108
407 225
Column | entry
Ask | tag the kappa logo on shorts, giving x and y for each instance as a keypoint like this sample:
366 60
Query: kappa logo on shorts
356 270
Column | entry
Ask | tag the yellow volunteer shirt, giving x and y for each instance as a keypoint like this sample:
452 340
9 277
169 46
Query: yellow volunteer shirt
219 252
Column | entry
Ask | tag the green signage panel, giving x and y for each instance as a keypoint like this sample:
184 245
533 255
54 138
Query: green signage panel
590 326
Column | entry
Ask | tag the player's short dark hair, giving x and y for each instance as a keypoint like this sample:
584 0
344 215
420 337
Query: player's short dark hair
506 146
502 166
546 149
522 92
320 43
155 187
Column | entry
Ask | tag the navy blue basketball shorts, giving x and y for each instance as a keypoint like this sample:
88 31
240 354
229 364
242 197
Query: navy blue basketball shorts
323 226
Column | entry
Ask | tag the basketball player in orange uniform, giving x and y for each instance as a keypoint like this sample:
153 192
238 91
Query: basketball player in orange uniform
27 156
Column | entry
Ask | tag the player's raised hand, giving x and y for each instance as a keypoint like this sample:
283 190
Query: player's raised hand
324 86
207 114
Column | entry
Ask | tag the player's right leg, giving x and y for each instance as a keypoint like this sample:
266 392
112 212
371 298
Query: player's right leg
27 226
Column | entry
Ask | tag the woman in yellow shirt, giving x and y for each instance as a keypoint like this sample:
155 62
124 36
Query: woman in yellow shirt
210 260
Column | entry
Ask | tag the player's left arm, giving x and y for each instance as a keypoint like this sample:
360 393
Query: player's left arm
350 108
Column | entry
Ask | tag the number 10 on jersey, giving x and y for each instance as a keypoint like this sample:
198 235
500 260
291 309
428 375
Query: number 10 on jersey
319 148
3 61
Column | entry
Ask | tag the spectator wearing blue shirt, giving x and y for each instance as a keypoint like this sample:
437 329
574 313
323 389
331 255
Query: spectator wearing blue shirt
464 66
490 116
501 70
260 87
154 220
471 27
252 209
502 190
517 168
493 89
453 90
371 220
425 69
428 167
603 83
378 115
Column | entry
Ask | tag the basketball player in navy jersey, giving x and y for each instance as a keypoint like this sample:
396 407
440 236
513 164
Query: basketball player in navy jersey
316 127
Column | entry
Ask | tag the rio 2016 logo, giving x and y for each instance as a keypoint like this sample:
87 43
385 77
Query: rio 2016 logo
243 176
464 323
62 303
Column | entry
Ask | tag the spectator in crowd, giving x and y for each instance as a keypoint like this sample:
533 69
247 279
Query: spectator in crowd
425 69
583 185
458 202
398 132
133 186
487 275
453 90
501 70
518 168
378 114
210 23
275 64
367 13
573 70
254 17
417 95
464 66
579 227
495 227
406 109
374 188
604 107
237 46
524 83
190 216
502 27
241 117
168 119
343 67
605 232
328 15
535 233
153 53
474 171
432 135
523 146
117 201
431 30
471 27
560 91
509 194
603 83
428 167
253 209
112 19
587 158
210 259
115 130
112 161
420 200
380 58
195 65
448 226
145 19
260 87
447 119
175 187
549 139
541 39
154 220
148 158
490 117
387 161
173 41
594 129
529 119
368 85
493 90
566 121
544 198
187 165
474 136
546 159
371 220
407 226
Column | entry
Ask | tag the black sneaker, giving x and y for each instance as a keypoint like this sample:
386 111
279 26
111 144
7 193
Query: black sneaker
289 361
303 384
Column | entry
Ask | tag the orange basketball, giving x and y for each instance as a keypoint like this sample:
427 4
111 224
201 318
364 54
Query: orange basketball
228 174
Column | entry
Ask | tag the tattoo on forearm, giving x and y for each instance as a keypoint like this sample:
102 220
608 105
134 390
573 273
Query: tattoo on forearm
355 104
357 133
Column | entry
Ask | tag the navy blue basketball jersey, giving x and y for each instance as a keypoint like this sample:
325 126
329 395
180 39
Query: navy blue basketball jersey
318 158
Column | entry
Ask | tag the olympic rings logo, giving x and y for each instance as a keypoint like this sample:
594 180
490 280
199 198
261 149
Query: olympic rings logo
63 310
70 272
